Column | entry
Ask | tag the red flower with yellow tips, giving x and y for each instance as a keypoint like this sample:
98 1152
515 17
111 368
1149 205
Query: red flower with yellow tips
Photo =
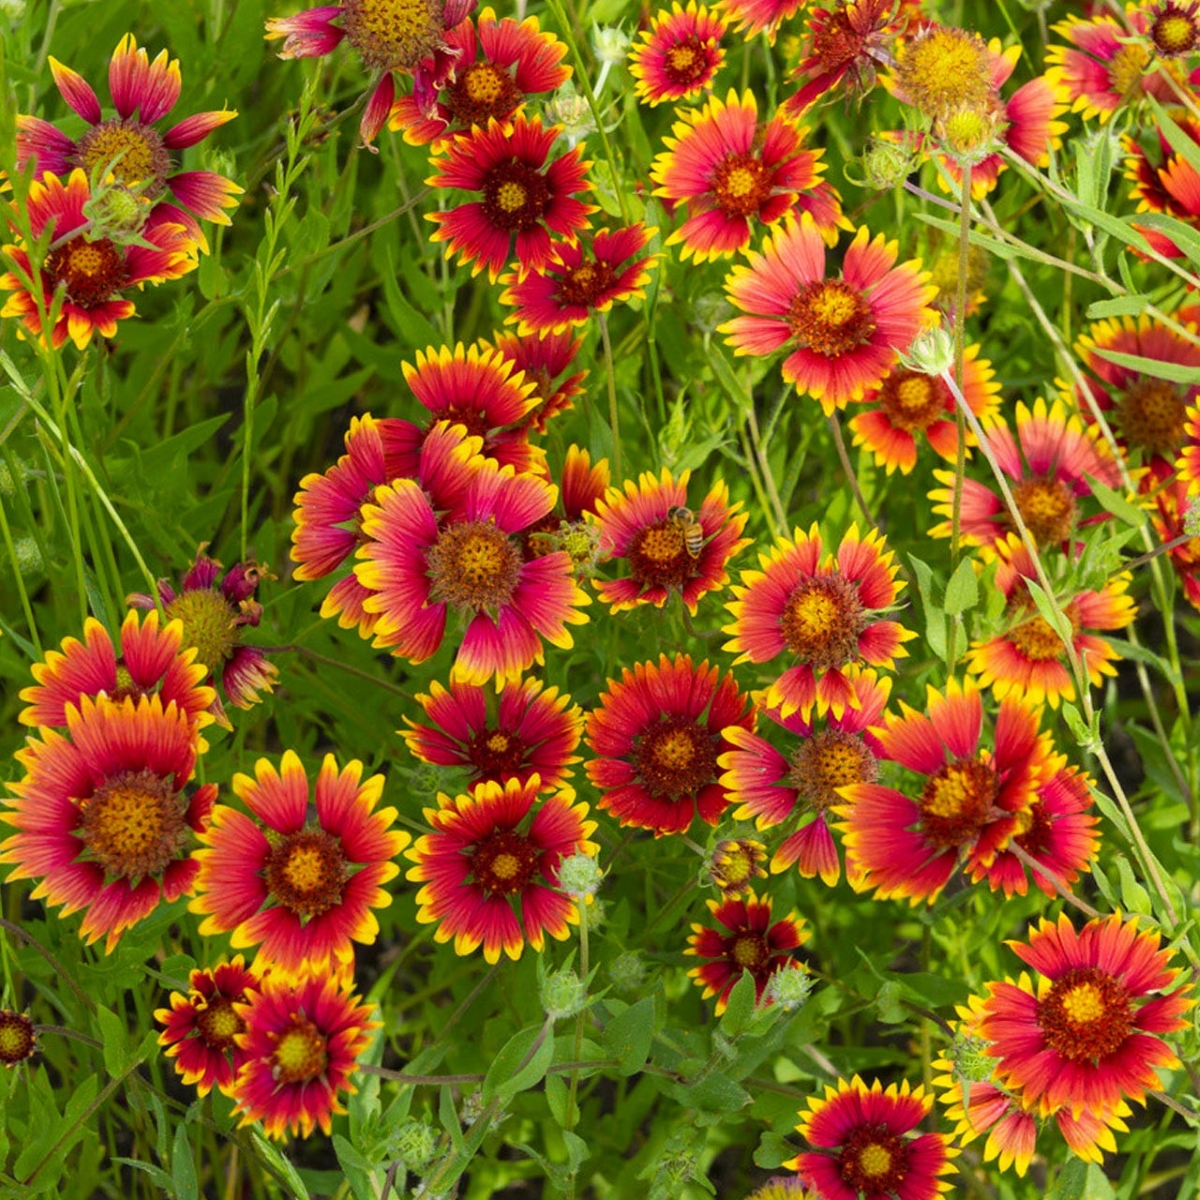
545 361
93 275
759 16
300 1047
843 333
679 55
498 848
300 874
128 147
823 613
103 820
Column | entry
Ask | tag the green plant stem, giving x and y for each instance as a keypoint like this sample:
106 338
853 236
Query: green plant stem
577 1045
18 576
960 349
776 510
53 963
614 416
839 442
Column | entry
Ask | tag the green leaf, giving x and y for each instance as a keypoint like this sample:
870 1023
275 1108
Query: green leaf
1175 372
1051 613
507 1076
628 1035
715 1093
935 617
558 1100
116 1042
962 592
279 1164
183 1167
448 1115
1116 504
740 1009
887 1004
1134 897
1081 1181
1120 306
772 1151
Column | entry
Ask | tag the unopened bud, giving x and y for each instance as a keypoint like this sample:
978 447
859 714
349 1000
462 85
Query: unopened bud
627 971
579 876
931 352
611 44
570 110
415 1144
885 165
117 213
789 988
563 994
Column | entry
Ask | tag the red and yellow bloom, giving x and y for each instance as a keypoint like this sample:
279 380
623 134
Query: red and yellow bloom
489 851
300 875
679 55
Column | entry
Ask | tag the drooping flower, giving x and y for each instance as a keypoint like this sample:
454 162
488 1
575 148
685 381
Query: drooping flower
545 361
665 546
759 16
973 800
863 1144
1048 464
494 849
909 403
18 1038
301 1045
93 276
679 55
735 176
1029 659
103 822
823 612
573 286
523 198
657 735
735 863
151 662
328 512
1102 67
409 37
498 65
797 790
844 333
300 875
749 941
200 1028
128 147
215 608
1090 1034
521 732
417 569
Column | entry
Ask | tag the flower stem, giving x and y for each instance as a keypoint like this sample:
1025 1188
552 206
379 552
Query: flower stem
614 417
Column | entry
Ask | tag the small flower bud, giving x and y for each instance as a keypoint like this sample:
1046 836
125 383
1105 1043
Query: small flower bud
563 994
28 555
611 44
579 876
117 213
627 971
570 110
970 1061
789 988
885 165
735 865
968 135
931 352
414 1144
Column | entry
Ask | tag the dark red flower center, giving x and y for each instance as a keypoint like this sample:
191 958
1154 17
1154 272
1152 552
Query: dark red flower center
830 760
913 401
836 44
474 565
17 1037
133 825
1038 830
470 416
830 317
748 950
1047 507
822 621
306 871
480 91
1152 415
586 284
675 758
873 1161
209 624
658 555
131 152
391 34
956 802
515 196
218 1024
89 271
686 61
1087 1015
505 863
741 185
126 688
496 754
1175 30
301 1052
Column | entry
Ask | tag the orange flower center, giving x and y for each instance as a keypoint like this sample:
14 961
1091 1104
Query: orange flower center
474 565
495 754
742 185
133 153
749 951
912 401
504 863
658 556
218 1023
480 91
514 196
1035 638
830 760
133 825
1087 1015
830 318
89 271
1047 507
17 1037
675 758
1127 68
1152 417
1175 30
391 34
306 871
873 1160
956 802
822 621
585 284
685 62
208 624
944 70
300 1054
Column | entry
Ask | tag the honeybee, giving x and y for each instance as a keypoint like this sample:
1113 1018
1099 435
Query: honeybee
693 532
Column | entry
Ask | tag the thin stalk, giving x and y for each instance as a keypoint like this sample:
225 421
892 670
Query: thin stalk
765 467
614 418
839 442
580 1018
18 575
960 349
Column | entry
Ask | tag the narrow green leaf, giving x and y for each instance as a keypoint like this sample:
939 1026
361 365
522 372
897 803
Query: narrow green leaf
183 1167
740 1008
558 1100
1081 1181
962 592
448 1115
1134 897
507 1076
628 1036
1175 372
116 1041
935 617
1120 306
